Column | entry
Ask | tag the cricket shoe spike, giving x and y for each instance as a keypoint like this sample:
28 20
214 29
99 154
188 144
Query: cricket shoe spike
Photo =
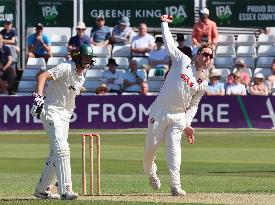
69 195
177 191
155 182
46 195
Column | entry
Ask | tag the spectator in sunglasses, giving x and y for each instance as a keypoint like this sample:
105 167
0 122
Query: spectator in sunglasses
236 88
79 39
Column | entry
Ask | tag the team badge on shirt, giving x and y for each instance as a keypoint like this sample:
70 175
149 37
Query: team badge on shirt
152 120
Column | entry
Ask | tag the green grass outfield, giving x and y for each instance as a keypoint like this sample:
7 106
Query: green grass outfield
235 161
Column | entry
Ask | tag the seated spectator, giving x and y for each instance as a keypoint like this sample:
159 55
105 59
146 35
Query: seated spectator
9 35
204 30
102 89
271 78
3 87
7 69
79 39
214 86
185 49
100 34
158 57
144 88
132 79
239 66
236 88
122 33
39 44
143 43
258 87
112 77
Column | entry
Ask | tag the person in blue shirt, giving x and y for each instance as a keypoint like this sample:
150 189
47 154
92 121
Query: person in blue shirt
79 39
100 34
214 86
39 44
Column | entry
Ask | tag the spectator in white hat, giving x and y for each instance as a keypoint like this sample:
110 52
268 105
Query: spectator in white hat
258 87
236 88
214 86
122 33
204 30
80 38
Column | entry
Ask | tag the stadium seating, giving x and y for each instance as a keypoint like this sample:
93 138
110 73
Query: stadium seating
100 63
264 39
265 71
141 61
26 86
226 39
29 74
121 51
224 73
246 40
226 51
54 61
152 76
188 40
101 51
266 50
246 51
154 86
91 85
59 51
264 62
93 74
59 40
223 62
38 63
122 62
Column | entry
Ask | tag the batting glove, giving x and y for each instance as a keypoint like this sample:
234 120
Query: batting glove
37 105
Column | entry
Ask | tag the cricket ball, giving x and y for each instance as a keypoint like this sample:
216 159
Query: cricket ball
170 17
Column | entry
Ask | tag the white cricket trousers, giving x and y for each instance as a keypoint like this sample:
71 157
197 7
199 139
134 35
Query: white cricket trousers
58 162
164 126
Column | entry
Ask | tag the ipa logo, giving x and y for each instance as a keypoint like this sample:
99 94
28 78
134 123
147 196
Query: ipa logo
223 13
178 13
49 12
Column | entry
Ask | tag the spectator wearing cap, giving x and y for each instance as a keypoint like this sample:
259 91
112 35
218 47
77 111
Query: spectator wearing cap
39 44
204 30
132 78
184 49
100 34
122 33
236 88
158 57
9 35
112 78
79 39
143 43
258 87
7 69
240 67
214 86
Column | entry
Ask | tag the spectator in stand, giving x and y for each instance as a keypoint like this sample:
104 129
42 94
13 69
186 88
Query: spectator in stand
236 88
102 89
143 43
133 79
271 78
122 33
185 49
7 69
39 44
214 86
158 57
9 35
3 87
112 77
240 66
144 88
258 87
100 34
204 30
79 39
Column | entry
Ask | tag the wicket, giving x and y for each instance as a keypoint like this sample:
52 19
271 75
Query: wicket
91 149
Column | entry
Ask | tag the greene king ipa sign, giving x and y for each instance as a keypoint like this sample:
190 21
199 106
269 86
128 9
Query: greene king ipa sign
7 11
245 13
139 11
52 13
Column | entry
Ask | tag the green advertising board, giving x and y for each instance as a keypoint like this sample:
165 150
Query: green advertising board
245 13
53 13
139 11
7 11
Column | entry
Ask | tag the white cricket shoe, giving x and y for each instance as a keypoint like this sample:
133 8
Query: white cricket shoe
46 195
69 195
155 182
177 191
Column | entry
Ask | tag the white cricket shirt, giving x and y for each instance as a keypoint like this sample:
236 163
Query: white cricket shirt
62 90
181 90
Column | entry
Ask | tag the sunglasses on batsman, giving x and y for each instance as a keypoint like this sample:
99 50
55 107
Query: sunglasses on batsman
210 55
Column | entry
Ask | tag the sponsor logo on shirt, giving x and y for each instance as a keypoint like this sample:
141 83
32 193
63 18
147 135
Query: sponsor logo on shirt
72 87
152 120
186 79
199 81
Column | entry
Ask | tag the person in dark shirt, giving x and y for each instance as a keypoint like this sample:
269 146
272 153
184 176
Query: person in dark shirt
185 49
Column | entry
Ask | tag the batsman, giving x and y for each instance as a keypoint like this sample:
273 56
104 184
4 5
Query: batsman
55 110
